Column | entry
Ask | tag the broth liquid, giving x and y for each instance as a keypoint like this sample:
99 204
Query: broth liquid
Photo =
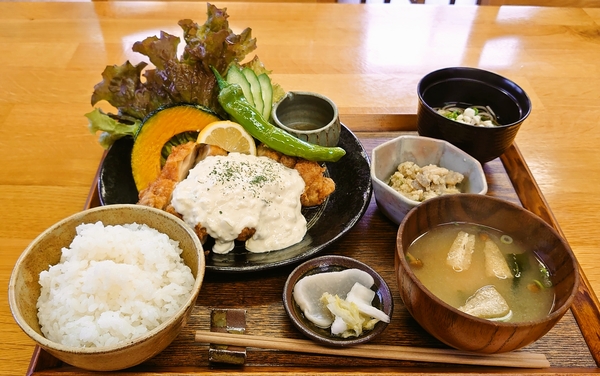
455 288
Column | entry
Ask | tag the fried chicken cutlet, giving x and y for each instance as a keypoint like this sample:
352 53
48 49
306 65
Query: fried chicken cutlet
318 187
183 157
177 166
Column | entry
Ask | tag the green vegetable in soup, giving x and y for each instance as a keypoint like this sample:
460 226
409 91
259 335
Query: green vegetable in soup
519 263
544 276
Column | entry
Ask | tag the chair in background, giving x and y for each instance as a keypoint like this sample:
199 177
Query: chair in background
539 3
545 3
451 2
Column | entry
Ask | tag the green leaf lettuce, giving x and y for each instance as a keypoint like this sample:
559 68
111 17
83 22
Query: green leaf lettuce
174 79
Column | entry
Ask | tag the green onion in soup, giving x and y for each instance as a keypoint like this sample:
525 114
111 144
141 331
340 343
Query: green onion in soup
481 116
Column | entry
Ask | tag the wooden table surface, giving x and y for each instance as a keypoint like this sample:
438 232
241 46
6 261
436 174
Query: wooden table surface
367 58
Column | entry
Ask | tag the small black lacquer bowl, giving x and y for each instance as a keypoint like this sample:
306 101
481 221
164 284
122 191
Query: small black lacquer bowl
472 87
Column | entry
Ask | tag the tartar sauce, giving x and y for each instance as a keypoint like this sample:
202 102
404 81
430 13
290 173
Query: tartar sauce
227 194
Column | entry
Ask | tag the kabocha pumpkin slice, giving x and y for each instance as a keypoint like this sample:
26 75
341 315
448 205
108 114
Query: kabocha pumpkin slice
156 130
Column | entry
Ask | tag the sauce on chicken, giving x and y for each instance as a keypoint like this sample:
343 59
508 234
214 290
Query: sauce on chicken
229 194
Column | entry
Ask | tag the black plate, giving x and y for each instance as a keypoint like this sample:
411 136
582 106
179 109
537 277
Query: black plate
326 223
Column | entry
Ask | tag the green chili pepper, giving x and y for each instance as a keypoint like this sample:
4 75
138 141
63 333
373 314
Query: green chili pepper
235 104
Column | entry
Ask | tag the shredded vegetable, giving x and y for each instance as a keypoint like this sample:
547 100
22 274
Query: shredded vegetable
482 116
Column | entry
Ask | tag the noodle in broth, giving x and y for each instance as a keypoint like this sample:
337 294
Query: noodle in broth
482 116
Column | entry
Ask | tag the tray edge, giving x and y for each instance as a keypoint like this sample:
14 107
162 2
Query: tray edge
586 307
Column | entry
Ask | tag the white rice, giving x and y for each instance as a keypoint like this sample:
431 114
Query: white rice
113 284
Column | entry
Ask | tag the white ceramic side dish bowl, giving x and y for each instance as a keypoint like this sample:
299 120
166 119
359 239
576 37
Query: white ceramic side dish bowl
423 151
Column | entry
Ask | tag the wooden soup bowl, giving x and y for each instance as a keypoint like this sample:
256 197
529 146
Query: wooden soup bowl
458 329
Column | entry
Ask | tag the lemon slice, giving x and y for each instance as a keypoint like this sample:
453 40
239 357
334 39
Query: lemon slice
229 136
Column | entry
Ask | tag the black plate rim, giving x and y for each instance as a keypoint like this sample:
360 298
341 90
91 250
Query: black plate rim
354 146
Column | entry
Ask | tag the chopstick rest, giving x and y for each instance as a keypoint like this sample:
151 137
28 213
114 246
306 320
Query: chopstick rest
517 359
227 321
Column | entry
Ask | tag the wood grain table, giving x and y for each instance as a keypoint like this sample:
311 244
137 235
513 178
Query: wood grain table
367 58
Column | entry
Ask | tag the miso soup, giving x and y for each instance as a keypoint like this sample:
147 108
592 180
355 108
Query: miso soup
500 280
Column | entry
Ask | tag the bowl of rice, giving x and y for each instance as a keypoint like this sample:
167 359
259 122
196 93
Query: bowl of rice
109 287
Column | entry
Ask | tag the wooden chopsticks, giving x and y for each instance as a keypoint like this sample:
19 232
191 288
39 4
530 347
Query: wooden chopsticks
518 359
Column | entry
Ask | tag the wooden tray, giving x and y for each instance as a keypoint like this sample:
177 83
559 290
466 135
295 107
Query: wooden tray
573 345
